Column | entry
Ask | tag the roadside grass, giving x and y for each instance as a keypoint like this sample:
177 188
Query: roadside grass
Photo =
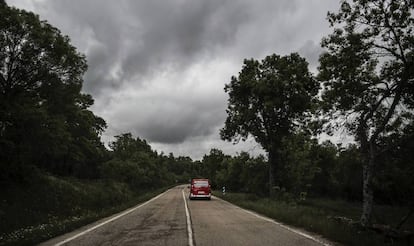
52 206
335 220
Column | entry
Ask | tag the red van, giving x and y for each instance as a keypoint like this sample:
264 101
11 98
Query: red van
200 188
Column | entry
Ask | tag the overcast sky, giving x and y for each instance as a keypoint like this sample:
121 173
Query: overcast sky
157 68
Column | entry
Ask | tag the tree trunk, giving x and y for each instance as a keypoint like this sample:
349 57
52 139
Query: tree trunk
272 168
367 191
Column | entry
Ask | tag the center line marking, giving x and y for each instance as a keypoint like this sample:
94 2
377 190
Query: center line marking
189 229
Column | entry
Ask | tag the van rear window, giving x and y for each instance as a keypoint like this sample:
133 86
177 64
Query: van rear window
200 183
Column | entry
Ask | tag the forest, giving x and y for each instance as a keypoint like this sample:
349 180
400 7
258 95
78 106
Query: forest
364 85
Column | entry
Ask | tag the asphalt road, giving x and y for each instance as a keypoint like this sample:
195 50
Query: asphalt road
172 219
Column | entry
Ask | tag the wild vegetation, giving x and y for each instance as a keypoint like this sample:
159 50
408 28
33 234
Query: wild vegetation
366 84
56 173
332 219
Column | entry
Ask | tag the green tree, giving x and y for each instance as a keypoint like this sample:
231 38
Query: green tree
254 173
234 168
368 75
44 117
135 163
125 145
212 163
299 167
349 173
394 179
324 158
269 100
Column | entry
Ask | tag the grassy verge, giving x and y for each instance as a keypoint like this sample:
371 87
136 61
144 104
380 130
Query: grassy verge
334 220
52 206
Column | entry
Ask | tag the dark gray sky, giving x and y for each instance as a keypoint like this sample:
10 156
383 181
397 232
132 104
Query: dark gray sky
157 68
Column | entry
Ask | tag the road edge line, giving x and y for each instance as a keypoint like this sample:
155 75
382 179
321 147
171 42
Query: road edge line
278 223
187 215
108 221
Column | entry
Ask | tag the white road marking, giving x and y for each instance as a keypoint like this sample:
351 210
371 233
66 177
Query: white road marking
279 224
189 229
108 221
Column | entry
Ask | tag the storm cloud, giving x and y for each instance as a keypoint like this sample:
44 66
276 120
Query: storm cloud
157 69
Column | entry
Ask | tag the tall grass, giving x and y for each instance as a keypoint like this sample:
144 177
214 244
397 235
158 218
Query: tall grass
51 206
335 220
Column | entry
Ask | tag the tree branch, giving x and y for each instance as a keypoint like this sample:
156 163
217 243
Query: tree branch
389 50
388 116
397 38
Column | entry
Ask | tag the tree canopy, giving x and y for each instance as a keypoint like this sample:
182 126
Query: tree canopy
269 100
44 116
368 76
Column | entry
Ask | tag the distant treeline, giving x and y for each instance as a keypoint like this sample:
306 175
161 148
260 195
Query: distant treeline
310 169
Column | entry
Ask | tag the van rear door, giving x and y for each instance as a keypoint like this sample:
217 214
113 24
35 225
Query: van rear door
200 188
